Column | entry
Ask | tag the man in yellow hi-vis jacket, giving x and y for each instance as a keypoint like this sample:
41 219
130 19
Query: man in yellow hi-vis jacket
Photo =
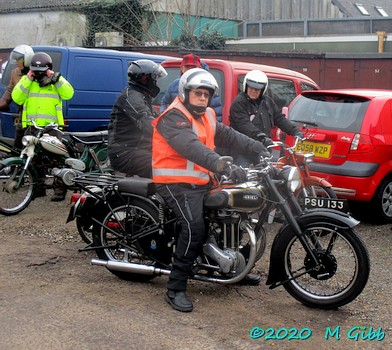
41 92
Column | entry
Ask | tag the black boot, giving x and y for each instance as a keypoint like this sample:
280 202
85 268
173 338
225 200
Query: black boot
179 300
60 190
251 279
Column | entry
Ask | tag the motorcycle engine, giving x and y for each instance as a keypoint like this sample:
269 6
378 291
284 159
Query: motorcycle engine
67 175
228 259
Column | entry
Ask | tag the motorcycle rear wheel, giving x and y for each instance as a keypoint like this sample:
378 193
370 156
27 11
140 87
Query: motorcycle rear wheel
14 200
116 230
344 271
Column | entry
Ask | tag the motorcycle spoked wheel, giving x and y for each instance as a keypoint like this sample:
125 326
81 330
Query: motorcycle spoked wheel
345 266
13 201
127 220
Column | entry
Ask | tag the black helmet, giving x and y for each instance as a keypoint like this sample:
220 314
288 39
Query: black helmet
144 74
41 62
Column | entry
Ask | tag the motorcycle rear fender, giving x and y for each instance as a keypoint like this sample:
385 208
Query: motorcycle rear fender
92 205
325 216
85 208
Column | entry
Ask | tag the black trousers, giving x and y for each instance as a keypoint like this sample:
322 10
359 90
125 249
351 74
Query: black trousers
132 161
186 201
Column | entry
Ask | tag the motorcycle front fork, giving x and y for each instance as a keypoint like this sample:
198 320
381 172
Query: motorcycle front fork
290 212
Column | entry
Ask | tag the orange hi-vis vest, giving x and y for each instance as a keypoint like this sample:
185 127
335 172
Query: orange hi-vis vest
168 166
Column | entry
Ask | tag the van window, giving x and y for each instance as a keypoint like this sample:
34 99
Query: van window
107 74
281 91
306 87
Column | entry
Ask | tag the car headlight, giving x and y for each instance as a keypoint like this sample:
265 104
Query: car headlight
292 177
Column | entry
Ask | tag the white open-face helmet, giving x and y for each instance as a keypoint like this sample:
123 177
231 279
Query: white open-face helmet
196 78
256 79
22 51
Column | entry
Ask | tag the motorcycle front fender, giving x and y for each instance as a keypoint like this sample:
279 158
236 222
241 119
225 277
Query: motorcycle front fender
316 181
326 217
19 161
12 160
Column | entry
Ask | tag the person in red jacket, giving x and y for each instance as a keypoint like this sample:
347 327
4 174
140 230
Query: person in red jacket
183 160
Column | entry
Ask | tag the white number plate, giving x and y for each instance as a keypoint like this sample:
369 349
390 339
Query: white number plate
326 203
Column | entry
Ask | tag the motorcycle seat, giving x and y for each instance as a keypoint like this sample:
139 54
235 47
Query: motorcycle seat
136 185
90 137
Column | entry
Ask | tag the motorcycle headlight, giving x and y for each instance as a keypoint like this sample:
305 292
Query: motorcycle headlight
28 140
292 177
25 141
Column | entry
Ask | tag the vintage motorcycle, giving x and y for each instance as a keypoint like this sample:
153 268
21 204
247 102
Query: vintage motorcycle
66 159
316 255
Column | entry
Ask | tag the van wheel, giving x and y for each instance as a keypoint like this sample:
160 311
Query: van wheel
382 201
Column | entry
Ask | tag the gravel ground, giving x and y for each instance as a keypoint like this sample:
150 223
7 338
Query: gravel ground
52 298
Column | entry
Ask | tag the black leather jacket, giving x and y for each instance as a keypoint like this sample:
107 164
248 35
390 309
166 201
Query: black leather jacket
130 121
251 117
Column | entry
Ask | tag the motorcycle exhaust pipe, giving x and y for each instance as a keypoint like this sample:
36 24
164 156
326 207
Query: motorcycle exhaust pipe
130 267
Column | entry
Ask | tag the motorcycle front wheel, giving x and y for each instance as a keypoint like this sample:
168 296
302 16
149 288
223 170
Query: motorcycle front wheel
16 189
342 274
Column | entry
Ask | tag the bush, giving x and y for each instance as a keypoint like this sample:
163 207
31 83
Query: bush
208 40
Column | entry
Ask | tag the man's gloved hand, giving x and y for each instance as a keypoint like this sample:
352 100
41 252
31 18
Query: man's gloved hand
50 80
262 151
236 173
268 142
3 105
299 134
232 171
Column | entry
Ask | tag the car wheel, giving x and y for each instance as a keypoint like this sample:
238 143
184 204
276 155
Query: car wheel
382 201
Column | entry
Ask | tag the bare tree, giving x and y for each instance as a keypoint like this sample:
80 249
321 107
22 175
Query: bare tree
152 23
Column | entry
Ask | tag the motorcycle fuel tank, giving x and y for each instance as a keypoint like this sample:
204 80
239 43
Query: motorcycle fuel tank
248 196
53 144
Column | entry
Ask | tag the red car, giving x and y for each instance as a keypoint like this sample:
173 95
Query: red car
350 133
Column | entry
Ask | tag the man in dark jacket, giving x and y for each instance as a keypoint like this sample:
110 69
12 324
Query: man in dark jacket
254 113
130 130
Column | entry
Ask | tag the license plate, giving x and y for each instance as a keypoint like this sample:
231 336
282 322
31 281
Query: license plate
326 203
320 150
